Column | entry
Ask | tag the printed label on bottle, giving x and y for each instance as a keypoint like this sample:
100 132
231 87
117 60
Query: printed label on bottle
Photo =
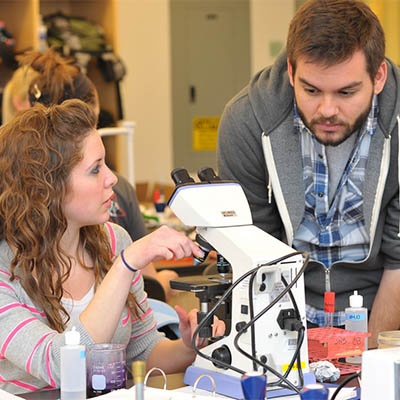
355 317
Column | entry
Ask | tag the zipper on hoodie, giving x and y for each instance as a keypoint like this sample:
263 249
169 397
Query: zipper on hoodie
327 279
375 214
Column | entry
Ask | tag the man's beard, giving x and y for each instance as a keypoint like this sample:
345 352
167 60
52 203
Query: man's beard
349 129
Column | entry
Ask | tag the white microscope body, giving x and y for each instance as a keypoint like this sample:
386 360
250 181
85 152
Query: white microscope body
221 213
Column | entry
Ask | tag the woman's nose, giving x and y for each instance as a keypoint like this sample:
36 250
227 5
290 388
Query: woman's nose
111 179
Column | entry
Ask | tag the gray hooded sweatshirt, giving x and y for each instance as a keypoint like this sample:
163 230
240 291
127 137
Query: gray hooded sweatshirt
258 148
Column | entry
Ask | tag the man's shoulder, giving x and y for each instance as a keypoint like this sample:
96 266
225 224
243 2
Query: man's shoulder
267 99
239 102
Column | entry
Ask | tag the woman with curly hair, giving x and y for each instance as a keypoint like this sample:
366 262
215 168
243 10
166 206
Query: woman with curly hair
62 263
48 78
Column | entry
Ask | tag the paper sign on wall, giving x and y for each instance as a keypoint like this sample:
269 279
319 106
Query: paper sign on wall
205 133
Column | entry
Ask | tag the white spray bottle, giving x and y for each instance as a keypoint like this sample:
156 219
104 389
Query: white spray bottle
73 367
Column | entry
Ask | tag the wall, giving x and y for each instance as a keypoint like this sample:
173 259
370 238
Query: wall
388 12
144 37
269 25
146 89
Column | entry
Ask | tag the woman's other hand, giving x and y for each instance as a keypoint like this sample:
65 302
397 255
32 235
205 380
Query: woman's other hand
188 324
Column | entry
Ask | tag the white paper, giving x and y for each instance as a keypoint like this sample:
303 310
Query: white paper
182 394
155 394
344 394
8 396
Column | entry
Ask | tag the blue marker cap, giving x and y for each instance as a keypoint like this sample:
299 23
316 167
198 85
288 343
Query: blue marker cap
254 385
314 391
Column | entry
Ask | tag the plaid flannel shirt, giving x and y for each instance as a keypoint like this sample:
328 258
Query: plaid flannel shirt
336 231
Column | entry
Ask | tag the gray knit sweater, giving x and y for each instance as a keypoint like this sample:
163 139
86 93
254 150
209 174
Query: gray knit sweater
30 349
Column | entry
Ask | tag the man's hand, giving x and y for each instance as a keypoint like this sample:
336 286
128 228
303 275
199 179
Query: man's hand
385 313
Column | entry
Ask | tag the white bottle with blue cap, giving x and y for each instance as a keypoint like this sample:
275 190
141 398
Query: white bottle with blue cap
356 320
73 367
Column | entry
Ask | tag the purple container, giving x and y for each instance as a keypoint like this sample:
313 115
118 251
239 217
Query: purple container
106 368
314 391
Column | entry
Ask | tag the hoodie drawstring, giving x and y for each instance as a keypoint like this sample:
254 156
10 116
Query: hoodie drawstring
398 163
270 190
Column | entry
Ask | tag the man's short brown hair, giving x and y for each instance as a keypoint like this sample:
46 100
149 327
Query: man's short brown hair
328 32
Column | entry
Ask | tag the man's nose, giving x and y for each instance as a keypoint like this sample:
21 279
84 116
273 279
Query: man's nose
328 107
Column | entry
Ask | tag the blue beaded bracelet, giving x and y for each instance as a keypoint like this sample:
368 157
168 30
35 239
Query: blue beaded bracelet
126 264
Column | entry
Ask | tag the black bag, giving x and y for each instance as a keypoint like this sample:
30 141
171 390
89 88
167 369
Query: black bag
111 67
78 36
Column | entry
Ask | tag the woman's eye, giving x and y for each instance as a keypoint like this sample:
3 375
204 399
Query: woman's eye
96 169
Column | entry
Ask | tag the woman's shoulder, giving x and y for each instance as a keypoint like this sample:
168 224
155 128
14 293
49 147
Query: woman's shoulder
6 256
119 237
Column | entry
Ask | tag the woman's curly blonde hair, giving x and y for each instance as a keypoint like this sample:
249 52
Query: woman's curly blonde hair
38 150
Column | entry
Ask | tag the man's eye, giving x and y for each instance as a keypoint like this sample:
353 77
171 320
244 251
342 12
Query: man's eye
346 93
311 90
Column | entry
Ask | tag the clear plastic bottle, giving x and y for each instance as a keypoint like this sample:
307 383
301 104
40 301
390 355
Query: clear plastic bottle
73 367
356 320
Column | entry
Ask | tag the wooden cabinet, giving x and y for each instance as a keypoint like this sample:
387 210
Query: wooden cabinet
22 20
22 17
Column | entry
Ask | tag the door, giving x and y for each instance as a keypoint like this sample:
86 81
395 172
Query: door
210 63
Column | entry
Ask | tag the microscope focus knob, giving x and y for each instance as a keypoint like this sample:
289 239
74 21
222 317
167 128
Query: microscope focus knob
222 354
240 325
206 329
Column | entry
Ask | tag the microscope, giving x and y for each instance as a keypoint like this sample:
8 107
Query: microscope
260 280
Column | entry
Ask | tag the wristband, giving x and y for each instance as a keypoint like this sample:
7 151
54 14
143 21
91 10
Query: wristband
126 264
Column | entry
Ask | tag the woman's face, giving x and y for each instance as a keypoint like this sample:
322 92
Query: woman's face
89 189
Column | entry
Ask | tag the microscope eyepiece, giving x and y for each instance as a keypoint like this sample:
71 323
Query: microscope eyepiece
207 174
181 176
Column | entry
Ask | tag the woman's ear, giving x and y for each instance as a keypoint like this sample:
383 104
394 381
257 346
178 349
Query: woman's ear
20 104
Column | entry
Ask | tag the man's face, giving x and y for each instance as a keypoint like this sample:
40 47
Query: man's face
334 101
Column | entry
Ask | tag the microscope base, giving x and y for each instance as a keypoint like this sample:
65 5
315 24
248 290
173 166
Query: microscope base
229 385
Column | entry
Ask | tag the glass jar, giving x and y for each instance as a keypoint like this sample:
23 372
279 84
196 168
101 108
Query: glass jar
388 339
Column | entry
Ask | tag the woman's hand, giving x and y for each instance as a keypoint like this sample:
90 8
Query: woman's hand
188 324
164 243
164 277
